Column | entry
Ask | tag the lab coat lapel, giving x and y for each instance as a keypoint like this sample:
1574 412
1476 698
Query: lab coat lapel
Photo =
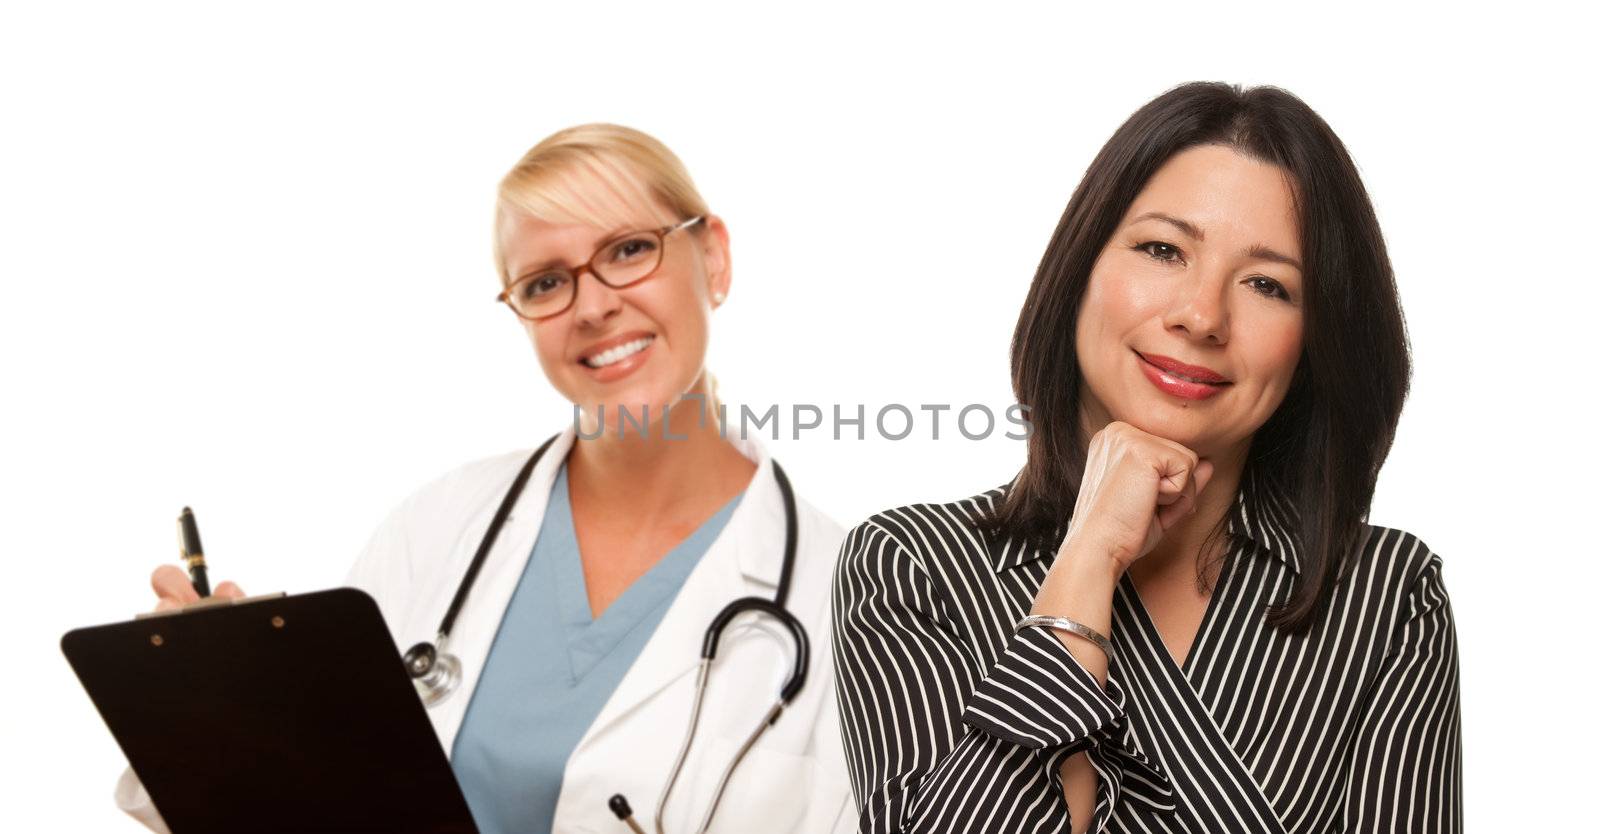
479 620
745 560
1215 785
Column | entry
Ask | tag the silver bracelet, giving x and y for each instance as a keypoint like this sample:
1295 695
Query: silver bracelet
1070 625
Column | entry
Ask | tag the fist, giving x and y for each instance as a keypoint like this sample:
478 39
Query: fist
174 590
1135 487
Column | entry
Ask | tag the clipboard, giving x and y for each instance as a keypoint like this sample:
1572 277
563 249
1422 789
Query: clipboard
272 714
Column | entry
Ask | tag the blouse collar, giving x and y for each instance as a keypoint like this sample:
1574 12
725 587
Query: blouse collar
1269 519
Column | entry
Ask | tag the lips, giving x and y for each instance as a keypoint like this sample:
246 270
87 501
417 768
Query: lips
610 351
618 357
1183 370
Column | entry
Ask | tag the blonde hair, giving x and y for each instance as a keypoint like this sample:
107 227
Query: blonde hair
596 174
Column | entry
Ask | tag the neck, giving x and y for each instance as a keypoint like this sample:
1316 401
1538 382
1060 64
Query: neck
1179 553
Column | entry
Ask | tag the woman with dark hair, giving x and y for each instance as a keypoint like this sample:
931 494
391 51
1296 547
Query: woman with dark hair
1175 617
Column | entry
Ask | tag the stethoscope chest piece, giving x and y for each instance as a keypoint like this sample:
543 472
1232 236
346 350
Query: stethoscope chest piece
434 673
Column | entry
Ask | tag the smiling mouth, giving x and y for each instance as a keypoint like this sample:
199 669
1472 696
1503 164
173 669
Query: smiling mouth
1176 375
612 356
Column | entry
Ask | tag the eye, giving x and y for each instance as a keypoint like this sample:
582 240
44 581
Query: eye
1268 287
541 285
1164 252
632 249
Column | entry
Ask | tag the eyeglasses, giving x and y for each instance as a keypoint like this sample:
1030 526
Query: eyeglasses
620 262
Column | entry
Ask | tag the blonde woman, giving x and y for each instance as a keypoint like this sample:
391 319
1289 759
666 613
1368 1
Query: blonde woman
570 669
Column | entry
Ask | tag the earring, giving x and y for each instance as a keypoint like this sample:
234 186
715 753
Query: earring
719 296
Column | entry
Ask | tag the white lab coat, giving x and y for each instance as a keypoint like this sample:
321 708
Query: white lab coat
794 780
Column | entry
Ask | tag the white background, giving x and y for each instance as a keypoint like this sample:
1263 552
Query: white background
246 267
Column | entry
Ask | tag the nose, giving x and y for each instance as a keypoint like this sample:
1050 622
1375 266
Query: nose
1199 308
595 302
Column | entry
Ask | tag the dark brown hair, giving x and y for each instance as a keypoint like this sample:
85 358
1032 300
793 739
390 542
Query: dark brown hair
1324 445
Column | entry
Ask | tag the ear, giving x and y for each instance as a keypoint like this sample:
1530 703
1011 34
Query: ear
718 259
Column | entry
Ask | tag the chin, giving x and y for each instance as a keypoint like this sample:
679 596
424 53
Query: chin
1177 424
645 410
645 396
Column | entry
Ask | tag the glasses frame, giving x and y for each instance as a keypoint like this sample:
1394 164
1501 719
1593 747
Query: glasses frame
588 266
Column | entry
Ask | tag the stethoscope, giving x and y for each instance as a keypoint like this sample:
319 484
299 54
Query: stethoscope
436 673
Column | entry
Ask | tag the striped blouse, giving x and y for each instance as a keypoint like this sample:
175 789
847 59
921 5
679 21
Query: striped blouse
953 722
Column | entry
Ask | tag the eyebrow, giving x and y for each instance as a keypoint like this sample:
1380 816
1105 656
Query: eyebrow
1260 251
1267 253
556 263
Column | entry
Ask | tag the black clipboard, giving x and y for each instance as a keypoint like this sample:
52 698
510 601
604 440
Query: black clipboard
283 714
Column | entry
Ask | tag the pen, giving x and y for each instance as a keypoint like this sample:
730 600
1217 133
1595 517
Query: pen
190 552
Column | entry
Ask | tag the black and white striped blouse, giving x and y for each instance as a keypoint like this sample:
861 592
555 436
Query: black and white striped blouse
953 723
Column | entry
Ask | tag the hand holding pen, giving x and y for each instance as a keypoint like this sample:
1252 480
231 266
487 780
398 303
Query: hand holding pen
173 588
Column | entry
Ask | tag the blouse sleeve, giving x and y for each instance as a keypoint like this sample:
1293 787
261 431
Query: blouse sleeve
1405 772
935 742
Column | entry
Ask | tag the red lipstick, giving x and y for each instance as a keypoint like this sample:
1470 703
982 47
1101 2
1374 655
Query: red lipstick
1197 373
1180 379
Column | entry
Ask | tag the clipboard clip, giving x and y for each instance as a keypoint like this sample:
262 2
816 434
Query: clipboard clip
208 602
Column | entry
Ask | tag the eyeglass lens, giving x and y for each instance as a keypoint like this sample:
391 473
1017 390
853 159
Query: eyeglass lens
621 262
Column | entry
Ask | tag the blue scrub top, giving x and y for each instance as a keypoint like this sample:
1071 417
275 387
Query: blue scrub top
552 667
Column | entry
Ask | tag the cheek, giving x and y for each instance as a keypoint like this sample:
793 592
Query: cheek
548 345
1091 326
688 328
681 318
1127 293
680 306
1114 304
1276 346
